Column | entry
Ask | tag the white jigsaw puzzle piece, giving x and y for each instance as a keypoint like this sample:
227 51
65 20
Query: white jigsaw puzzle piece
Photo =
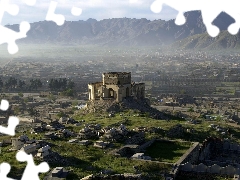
4 170
12 124
209 9
51 16
59 18
31 171
12 121
76 11
6 7
9 36
4 105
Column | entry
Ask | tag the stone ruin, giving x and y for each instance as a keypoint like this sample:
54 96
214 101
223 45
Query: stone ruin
116 86
136 139
217 157
176 131
214 169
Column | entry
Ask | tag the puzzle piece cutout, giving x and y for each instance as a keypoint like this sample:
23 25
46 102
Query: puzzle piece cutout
76 11
31 171
59 18
10 36
12 124
7 35
210 10
12 121
51 16
4 105
12 9
4 170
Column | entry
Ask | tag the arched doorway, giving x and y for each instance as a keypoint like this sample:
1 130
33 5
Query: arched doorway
111 93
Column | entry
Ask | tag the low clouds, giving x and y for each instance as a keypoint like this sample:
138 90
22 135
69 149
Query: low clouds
96 9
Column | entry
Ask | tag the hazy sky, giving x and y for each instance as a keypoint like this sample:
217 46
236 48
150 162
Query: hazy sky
97 9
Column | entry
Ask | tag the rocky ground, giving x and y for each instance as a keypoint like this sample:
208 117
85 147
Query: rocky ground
141 106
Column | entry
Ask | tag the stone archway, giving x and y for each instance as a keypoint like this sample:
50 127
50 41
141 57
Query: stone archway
111 93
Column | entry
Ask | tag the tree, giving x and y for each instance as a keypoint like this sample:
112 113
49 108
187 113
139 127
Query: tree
1 83
68 92
52 97
61 114
191 110
35 84
38 83
61 84
21 84
33 112
16 110
75 103
71 85
11 83
218 118
20 94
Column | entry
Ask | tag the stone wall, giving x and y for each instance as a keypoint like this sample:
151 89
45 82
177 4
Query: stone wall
116 78
147 144
191 154
138 90
115 177
214 169
94 90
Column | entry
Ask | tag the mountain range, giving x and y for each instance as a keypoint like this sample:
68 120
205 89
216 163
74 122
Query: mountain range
135 32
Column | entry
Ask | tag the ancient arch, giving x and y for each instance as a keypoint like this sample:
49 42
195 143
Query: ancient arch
111 93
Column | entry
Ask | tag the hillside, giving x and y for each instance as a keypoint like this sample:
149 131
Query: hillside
132 32
205 42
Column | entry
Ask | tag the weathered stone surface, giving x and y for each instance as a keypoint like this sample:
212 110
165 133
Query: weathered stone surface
215 169
176 131
187 167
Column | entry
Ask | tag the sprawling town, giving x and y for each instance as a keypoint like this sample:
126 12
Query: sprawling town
125 114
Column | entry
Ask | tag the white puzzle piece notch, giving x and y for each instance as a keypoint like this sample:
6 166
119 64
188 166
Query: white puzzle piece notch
12 121
51 16
209 9
4 170
7 35
76 11
12 124
59 18
9 8
31 171
4 105
10 36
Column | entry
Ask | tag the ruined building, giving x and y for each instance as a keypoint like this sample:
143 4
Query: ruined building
116 86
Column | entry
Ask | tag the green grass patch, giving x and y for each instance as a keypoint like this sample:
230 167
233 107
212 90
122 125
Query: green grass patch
165 151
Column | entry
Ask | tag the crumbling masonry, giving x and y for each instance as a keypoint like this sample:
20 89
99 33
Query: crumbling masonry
117 86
